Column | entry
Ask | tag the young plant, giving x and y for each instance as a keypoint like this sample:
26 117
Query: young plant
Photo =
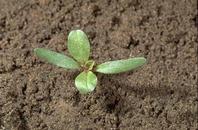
79 48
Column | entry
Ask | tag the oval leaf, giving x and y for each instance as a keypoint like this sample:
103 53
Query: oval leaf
86 82
56 58
78 46
113 67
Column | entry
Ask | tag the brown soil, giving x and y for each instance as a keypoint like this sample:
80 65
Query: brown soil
162 95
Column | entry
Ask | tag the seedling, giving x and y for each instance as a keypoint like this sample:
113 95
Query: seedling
79 49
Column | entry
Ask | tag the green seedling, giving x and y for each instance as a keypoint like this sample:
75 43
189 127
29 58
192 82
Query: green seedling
79 49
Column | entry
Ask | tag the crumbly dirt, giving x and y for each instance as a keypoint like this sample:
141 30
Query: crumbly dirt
162 95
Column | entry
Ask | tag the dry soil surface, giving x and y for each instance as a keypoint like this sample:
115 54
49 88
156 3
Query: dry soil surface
162 95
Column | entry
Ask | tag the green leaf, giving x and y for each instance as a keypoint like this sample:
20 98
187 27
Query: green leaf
90 64
78 46
113 67
56 58
86 82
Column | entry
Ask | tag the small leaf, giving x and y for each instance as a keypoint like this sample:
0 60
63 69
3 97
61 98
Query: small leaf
113 67
78 46
86 82
90 64
56 58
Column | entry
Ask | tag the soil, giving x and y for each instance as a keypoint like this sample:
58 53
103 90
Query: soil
162 95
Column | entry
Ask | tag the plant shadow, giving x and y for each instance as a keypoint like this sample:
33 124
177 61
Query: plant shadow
115 90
